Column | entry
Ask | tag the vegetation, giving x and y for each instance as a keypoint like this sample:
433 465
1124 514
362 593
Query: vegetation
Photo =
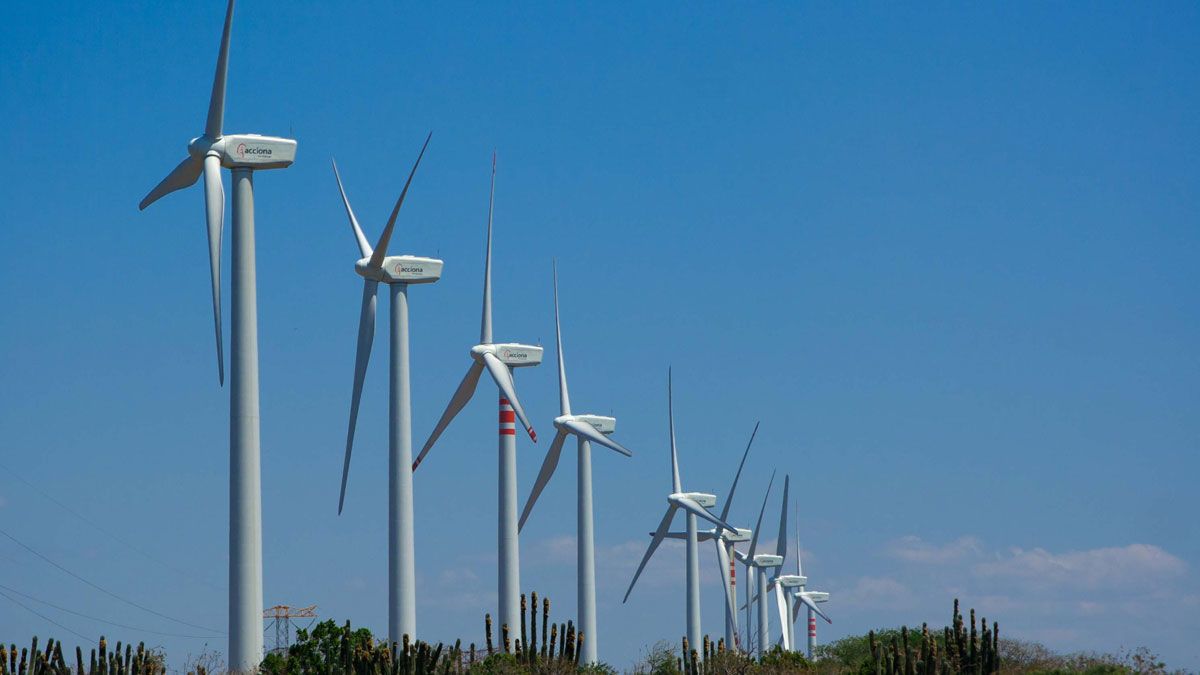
33 661
539 646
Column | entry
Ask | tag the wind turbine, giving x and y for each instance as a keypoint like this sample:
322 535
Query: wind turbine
243 154
587 429
725 542
759 564
808 599
398 272
499 360
694 504
790 587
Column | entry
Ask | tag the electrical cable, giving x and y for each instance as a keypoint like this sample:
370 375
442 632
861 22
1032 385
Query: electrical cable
105 531
105 590
34 611
96 618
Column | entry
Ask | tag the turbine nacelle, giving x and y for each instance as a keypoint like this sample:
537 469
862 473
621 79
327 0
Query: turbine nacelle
817 596
742 534
791 580
247 151
768 560
511 354
601 423
401 269
702 498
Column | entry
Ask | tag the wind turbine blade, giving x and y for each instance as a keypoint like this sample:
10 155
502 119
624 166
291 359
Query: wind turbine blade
214 213
589 433
362 356
813 606
758 523
730 600
485 324
381 246
692 506
461 397
676 484
732 488
185 174
504 380
659 535
216 103
799 567
796 606
564 399
781 606
548 467
781 542
363 246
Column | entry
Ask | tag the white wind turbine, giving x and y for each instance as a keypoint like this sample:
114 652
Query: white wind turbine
725 543
759 563
243 154
499 360
398 272
809 600
694 504
587 429
790 587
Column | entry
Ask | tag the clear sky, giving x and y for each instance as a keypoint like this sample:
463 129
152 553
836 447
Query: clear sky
946 254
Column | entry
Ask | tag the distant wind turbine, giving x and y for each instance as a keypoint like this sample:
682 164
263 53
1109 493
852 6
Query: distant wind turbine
694 504
587 429
498 360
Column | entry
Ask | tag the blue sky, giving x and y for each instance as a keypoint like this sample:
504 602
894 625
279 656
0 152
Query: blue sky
945 253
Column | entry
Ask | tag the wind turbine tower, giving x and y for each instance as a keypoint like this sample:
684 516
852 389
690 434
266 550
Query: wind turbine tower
694 504
587 429
398 273
243 154
499 359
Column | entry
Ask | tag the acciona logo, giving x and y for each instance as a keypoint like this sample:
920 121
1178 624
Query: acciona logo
254 151
401 269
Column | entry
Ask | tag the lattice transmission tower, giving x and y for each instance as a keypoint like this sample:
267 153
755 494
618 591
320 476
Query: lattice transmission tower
281 618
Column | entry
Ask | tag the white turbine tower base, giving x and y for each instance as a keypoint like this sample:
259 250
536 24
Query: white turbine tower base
587 429
498 360
398 272
242 154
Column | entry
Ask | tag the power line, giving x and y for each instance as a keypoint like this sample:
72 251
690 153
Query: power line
103 530
34 611
105 590
96 618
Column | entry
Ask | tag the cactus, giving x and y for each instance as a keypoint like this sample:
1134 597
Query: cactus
487 628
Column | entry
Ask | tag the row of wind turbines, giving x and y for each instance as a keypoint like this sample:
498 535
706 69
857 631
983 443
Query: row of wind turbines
243 155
